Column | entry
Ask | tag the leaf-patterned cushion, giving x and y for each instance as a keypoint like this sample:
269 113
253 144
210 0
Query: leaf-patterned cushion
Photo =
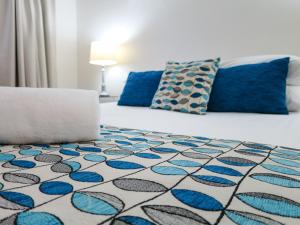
186 86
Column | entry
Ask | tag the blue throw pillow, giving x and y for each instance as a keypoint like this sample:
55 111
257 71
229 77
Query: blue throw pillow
140 88
253 88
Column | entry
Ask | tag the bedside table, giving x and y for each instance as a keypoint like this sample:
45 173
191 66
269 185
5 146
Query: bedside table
108 99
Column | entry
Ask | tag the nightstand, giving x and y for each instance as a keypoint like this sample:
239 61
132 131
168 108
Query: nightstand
108 99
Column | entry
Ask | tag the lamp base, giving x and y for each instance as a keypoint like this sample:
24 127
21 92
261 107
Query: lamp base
104 94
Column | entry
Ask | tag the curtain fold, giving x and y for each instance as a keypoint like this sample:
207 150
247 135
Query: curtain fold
28 49
7 44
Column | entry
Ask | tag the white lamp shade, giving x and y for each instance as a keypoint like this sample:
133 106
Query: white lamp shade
103 54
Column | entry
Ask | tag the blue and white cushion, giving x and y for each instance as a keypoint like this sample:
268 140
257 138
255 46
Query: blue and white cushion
185 86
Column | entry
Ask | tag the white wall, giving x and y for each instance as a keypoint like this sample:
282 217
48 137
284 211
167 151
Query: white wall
161 30
66 43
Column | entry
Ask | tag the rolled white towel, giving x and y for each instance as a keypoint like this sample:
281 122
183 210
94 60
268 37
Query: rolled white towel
42 115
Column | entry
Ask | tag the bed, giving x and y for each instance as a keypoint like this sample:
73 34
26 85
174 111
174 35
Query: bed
263 128
159 167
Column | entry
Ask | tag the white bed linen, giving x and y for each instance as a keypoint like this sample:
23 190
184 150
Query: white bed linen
281 130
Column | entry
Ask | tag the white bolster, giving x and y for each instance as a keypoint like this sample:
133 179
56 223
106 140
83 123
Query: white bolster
45 115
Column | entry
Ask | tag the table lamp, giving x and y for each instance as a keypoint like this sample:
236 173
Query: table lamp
103 55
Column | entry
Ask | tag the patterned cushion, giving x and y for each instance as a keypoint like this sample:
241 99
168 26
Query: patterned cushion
185 87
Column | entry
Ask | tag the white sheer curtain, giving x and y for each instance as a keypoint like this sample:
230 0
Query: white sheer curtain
27 43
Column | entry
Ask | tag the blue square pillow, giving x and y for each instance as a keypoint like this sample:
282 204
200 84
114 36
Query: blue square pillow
140 88
253 88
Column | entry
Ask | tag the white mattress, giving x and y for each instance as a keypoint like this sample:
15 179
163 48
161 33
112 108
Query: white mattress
281 130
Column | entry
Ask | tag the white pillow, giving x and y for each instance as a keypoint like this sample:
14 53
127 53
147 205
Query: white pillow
48 115
293 98
293 77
